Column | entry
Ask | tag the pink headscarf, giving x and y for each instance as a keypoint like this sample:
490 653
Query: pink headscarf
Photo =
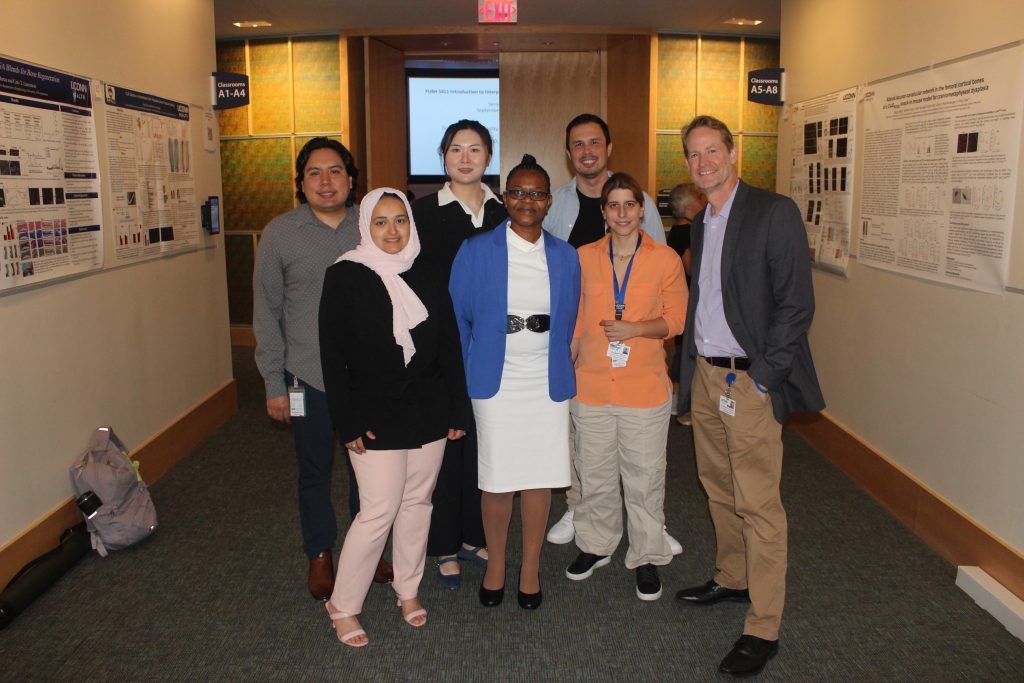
409 311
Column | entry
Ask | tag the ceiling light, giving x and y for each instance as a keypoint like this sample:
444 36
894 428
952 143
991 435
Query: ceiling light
257 23
743 22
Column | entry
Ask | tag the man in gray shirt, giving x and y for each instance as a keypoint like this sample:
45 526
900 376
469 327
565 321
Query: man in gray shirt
295 250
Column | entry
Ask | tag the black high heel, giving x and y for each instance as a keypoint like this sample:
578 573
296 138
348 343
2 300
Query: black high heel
531 600
491 598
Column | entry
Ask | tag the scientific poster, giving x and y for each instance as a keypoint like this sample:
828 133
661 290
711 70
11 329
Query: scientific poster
152 184
940 165
50 210
821 178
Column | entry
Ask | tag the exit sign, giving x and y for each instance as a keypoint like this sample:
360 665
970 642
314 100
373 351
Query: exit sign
497 12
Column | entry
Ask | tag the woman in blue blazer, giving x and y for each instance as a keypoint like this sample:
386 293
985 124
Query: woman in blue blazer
516 292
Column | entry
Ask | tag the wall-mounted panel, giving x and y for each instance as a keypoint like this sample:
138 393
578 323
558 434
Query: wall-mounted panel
677 80
258 181
720 80
629 106
759 160
317 84
387 162
270 84
240 251
540 93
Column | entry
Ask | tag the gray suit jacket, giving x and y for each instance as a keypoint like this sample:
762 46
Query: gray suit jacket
767 295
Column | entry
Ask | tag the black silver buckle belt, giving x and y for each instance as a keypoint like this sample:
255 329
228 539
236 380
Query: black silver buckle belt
728 362
535 323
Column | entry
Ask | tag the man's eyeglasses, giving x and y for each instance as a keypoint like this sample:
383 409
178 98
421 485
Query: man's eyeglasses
535 195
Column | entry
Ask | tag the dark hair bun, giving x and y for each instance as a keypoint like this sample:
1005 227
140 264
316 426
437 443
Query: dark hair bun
528 160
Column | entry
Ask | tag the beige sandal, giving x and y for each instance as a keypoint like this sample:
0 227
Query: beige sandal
349 637
413 614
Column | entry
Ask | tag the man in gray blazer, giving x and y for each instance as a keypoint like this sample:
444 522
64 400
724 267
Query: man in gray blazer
746 366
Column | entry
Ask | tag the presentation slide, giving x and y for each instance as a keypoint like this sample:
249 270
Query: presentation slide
437 102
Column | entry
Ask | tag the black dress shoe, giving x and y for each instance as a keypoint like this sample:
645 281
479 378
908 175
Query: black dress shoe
710 593
491 598
748 656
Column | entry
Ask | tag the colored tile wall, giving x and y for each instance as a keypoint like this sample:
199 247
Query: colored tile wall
258 181
295 91
317 78
707 75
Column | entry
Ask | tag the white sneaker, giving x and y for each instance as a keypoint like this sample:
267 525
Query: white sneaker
563 531
676 546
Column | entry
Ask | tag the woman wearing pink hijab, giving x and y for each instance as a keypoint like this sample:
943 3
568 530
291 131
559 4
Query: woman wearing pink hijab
397 392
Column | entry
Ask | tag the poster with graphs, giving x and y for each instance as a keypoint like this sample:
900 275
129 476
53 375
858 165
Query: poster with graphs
941 153
821 178
50 208
152 184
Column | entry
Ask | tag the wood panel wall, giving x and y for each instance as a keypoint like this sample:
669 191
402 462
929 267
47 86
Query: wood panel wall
632 81
387 136
353 103
540 93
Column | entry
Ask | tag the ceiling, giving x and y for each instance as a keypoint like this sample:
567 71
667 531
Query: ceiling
543 24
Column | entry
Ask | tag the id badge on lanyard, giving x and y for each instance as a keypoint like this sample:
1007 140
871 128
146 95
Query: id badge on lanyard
619 351
726 403
296 400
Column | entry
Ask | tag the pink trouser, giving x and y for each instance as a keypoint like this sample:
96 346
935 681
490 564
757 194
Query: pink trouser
394 494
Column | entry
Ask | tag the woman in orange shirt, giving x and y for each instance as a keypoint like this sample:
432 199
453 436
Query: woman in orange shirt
633 298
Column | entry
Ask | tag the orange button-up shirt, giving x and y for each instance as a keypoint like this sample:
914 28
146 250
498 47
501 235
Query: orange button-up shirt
656 289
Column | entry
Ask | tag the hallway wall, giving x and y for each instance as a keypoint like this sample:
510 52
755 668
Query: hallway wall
134 347
929 376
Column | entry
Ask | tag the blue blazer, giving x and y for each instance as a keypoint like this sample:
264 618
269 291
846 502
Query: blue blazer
479 289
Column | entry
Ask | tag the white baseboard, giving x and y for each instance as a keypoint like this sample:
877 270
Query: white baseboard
992 597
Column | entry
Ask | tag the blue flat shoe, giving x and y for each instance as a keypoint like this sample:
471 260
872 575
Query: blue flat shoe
473 555
449 581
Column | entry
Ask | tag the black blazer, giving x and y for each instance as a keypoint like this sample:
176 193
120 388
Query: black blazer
767 295
443 229
368 385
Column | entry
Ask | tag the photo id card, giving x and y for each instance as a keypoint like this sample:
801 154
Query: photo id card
297 401
727 405
619 353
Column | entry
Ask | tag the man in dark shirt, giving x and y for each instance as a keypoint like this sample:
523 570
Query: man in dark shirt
575 216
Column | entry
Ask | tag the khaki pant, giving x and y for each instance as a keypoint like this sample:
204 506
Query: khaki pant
622 445
739 461
572 494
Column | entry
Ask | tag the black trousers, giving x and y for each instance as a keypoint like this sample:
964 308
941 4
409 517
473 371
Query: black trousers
456 518
314 455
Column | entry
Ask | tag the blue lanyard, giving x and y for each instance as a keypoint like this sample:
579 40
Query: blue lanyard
620 293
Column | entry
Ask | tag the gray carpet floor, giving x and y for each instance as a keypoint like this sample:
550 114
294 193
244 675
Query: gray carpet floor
218 593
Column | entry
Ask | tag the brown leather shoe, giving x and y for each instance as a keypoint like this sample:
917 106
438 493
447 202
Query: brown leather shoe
384 573
321 575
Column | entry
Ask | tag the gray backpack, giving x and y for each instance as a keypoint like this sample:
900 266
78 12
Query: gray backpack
120 510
